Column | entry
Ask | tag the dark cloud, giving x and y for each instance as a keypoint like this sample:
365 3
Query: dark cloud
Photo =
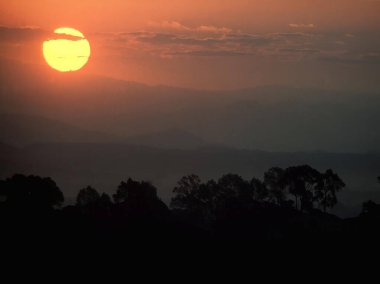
160 38
222 53
251 39
184 41
362 59
300 50
54 36
26 34
174 39
196 42
8 34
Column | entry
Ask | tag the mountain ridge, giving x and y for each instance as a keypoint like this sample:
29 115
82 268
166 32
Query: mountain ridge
273 118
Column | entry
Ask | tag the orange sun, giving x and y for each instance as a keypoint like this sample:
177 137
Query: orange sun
68 51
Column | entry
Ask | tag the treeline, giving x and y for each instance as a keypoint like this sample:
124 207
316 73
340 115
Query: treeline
288 204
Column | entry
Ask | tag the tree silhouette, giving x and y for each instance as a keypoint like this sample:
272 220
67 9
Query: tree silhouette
186 193
370 209
234 185
139 199
134 190
233 190
195 197
229 208
274 179
31 192
301 181
105 200
87 196
91 204
260 191
328 185
230 196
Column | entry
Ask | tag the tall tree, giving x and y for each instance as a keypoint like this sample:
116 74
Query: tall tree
301 181
231 195
234 186
87 196
186 192
274 179
370 209
328 185
234 196
139 200
105 200
134 190
259 189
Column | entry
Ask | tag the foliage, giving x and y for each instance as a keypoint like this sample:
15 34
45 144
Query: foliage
87 196
134 190
275 181
328 185
31 192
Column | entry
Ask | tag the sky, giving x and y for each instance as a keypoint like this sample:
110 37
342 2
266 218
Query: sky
209 44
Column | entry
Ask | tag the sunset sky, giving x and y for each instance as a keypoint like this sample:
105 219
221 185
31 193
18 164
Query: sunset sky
95 91
209 44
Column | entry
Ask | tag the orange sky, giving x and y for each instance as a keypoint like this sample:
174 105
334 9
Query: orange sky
210 43
258 15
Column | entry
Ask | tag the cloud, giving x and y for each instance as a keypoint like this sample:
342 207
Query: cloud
173 39
299 50
28 34
166 38
302 26
170 39
214 42
212 53
177 26
173 25
63 36
350 58
21 34
212 29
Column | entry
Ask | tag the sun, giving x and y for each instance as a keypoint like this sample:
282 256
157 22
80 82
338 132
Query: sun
68 50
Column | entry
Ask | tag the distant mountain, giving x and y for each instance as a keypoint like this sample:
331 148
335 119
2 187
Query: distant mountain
23 130
173 138
272 118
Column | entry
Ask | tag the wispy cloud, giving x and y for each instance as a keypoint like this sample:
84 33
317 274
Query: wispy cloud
21 34
170 39
349 58
177 26
302 26
30 33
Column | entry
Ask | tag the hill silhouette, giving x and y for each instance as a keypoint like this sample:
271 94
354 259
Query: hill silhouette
171 138
24 130
272 118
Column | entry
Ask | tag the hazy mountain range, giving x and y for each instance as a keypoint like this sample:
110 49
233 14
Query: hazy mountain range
83 130
272 118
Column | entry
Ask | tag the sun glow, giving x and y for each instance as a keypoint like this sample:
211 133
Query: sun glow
67 51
